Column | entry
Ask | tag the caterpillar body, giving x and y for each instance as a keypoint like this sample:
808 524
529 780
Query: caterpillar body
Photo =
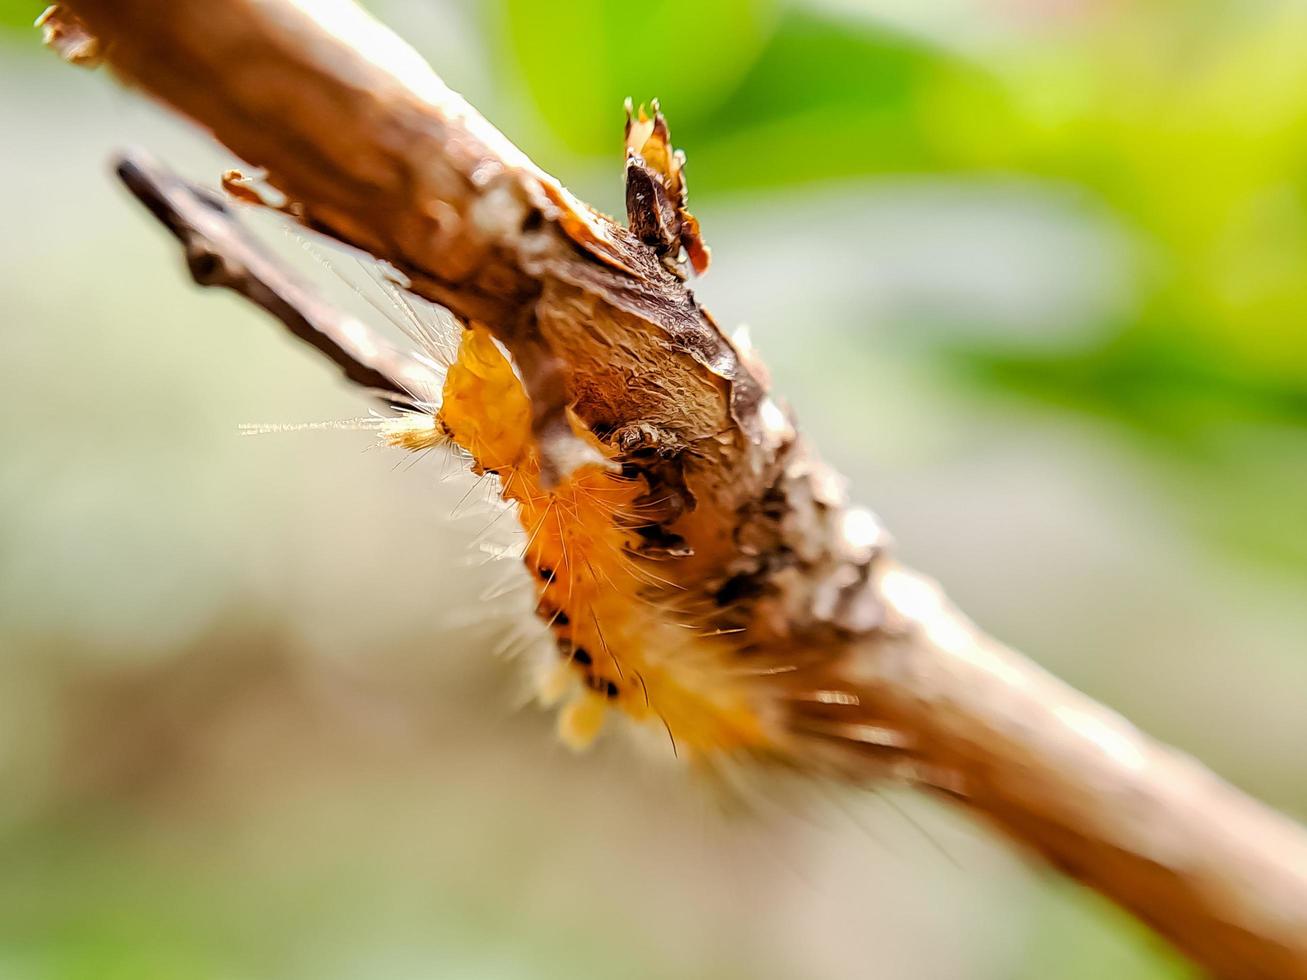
625 637
696 565
652 613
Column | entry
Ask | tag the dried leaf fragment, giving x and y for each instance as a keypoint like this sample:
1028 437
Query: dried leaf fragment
656 192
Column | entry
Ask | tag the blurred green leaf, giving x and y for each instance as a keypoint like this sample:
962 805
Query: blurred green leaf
756 99
1229 443
580 60
1197 136
18 15
832 98
1154 380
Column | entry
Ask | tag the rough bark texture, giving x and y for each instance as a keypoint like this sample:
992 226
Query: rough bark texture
375 151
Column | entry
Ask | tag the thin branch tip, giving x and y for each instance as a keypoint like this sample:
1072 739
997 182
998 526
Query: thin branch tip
220 252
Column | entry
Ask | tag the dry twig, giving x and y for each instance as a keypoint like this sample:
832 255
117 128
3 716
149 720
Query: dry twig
375 151
220 253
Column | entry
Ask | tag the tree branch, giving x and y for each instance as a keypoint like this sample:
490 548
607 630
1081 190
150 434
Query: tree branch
374 150
220 252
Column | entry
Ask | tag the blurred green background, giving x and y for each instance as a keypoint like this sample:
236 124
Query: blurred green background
1034 275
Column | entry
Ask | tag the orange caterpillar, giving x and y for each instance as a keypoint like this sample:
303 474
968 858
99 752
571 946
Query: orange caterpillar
621 639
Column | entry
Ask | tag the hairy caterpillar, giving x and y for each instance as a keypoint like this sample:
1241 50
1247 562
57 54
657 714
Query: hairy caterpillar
617 547
623 639
697 566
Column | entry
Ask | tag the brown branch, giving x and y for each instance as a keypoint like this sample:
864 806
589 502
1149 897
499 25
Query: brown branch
1217 872
220 252
376 151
